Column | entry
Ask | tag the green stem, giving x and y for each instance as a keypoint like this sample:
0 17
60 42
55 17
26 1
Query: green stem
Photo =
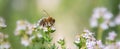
99 33
63 47
79 47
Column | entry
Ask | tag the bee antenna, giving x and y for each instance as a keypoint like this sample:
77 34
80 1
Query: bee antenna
46 13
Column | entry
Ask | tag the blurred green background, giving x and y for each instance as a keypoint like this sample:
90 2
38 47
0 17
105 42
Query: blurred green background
72 16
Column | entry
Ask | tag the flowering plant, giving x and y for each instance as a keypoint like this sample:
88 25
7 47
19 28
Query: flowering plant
103 34
39 34
4 43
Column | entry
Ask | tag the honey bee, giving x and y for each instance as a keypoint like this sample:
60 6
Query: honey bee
47 22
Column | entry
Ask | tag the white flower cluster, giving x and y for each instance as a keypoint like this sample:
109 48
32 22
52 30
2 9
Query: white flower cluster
4 44
2 23
111 36
89 41
24 26
117 20
113 44
101 17
25 30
